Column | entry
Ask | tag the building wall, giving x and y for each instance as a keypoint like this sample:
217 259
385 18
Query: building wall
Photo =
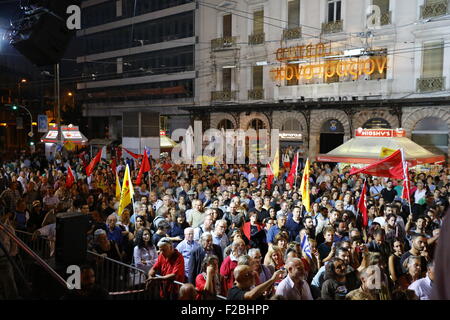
404 39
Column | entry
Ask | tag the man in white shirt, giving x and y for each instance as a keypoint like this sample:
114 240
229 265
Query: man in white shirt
375 190
293 287
422 287
219 236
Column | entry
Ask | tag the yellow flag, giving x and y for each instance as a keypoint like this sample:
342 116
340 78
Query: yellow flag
117 187
386 152
206 161
276 164
304 187
127 191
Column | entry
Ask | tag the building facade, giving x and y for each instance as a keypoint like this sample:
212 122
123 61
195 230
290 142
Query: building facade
137 56
319 69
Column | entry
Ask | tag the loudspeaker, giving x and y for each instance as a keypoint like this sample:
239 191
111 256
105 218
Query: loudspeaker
71 242
42 35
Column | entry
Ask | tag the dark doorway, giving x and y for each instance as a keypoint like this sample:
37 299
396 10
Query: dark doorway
330 141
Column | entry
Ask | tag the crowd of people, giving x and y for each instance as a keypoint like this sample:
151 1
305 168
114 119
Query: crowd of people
221 232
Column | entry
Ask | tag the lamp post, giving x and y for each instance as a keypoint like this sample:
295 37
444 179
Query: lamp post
17 106
19 87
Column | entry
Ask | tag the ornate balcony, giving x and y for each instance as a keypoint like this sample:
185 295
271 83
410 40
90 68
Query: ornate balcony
430 84
386 18
294 33
435 9
223 95
333 26
256 94
257 38
223 43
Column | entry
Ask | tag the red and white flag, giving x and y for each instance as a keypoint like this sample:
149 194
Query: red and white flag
362 205
70 179
293 172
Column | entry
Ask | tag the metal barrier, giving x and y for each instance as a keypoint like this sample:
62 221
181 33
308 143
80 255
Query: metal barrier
126 282
122 281
41 245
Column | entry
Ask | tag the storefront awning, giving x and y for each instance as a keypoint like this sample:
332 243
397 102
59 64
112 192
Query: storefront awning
367 149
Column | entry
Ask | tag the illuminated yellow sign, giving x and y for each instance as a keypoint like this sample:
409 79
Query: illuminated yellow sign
326 70
353 67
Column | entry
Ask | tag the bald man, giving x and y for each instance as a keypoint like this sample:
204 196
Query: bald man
294 287
245 279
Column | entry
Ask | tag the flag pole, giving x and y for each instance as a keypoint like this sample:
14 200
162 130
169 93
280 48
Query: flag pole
405 175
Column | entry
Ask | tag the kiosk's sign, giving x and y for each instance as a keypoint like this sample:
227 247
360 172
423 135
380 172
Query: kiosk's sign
383 133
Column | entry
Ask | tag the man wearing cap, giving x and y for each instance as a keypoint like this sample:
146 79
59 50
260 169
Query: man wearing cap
169 267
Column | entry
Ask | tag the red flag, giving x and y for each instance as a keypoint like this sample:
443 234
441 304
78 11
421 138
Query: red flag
406 182
83 160
390 167
93 163
70 179
145 167
134 155
114 166
362 205
270 176
119 153
293 172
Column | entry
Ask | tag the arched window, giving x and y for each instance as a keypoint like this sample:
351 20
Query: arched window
225 124
291 125
256 124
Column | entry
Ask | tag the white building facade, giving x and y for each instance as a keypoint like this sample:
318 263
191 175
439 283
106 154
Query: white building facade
319 69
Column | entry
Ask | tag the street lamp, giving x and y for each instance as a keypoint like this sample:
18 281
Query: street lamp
16 107
19 86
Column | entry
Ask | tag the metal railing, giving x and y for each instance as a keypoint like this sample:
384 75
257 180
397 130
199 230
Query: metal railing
257 38
121 280
29 252
256 94
126 282
434 9
430 84
223 43
292 33
333 26
223 95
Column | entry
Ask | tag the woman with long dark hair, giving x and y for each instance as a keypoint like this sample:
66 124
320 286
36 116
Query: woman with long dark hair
145 254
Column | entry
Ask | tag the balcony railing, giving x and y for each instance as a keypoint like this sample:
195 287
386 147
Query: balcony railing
386 18
434 9
256 94
430 84
333 26
223 95
223 43
293 33
257 38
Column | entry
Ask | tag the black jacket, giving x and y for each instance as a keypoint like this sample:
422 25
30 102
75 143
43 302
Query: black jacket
196 259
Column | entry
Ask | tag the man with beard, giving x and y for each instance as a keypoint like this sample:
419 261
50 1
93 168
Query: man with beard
308 225
419 249
206 248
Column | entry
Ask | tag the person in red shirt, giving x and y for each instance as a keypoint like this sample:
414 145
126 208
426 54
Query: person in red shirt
169 267
238 249
209 283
